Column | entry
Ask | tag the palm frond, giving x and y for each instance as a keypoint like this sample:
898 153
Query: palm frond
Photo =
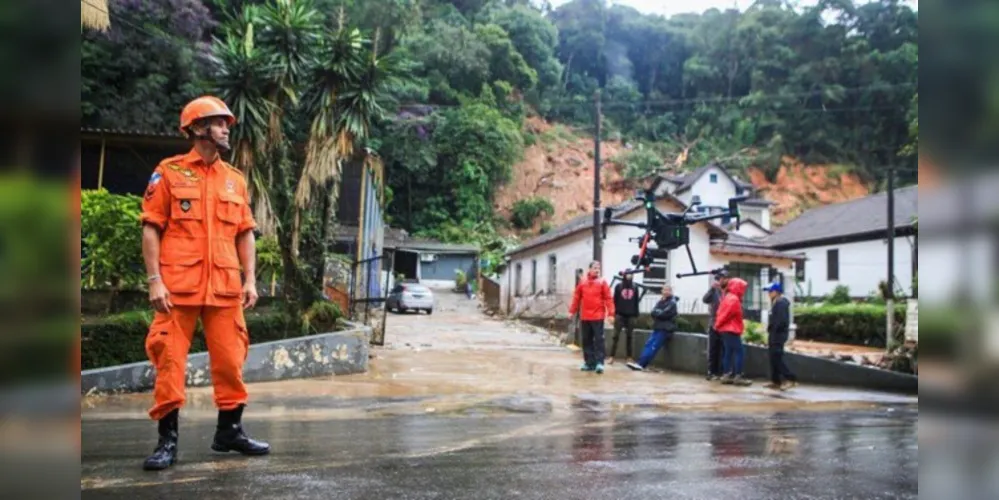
94 15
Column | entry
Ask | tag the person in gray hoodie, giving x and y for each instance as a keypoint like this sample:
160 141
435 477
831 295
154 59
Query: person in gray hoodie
713 298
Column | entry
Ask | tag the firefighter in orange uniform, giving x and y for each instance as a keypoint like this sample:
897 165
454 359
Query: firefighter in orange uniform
197 232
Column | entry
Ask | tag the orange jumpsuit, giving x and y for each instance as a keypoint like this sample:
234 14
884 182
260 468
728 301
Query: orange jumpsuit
200 209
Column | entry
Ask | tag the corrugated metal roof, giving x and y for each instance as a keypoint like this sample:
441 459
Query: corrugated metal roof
136 133
860 216
437 247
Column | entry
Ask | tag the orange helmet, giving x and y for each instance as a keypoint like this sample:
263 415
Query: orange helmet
204 107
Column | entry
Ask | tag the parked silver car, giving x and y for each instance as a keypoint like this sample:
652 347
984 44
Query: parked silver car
410 296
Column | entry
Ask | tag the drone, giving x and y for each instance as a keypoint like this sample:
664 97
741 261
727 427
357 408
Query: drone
668 231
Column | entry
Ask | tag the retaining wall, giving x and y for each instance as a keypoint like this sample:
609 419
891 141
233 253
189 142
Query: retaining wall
687 352
338 353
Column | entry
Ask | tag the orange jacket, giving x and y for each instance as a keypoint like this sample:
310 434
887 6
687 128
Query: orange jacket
200 209
594 296
729 316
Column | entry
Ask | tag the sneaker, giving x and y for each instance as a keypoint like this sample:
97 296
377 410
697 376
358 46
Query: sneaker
585 368
610 361
600 368
789 384
740 381
635 366
774 386
727 379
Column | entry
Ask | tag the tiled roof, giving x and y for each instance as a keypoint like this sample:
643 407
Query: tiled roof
585 222
860 216
737 244
576 224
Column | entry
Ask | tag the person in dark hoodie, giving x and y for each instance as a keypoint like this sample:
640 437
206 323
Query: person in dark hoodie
626 308
730 326
713 298
778 328
594 302
663 326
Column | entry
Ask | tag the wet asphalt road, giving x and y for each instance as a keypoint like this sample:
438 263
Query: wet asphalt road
458 406
594 453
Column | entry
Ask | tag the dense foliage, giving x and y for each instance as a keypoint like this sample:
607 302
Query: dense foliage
524 212
111 256
834 82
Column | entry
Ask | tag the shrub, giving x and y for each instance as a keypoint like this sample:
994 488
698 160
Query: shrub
754 333
112 241
640 162
841 295
527 210
857 324
120 339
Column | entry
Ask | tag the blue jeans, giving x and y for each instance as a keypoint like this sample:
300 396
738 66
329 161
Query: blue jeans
656 341
734 352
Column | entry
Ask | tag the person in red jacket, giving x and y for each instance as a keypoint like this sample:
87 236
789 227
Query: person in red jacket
729 325
594 302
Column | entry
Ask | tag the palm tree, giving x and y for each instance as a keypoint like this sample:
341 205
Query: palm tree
288 76
94 15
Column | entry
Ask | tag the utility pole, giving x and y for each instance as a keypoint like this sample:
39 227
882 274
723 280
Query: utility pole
890 289
597 242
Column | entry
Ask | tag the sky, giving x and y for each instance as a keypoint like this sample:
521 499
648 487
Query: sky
671 7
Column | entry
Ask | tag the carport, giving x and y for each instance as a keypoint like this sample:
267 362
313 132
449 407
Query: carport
435 263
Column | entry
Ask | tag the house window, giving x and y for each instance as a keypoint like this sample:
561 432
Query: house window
832 265
534 277
517 280
552 274
714 178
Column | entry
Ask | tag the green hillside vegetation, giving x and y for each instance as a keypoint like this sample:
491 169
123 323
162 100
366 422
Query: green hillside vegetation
439 90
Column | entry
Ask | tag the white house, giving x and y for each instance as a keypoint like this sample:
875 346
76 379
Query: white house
713 185
541 274
846 244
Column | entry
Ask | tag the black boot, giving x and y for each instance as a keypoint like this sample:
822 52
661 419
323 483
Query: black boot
229 435
166 449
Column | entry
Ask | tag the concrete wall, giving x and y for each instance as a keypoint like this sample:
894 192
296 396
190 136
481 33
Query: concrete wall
862 265
687 352
337 353
443 269
751 230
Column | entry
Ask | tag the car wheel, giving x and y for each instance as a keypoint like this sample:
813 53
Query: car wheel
430 311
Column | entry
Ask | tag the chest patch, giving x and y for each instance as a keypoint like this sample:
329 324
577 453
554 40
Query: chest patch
627 294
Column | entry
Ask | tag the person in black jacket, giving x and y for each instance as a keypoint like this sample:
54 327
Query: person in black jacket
663 325
778 329
626 309
713 298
